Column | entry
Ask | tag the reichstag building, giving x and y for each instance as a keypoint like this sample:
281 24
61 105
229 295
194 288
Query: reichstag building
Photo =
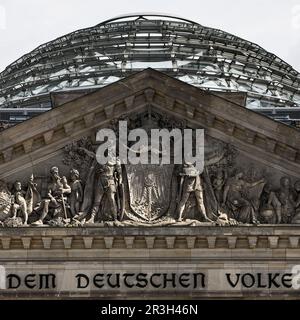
71 226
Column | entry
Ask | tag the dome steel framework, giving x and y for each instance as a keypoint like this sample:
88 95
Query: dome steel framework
201 56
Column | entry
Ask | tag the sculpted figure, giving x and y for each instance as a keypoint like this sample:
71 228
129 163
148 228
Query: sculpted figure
32 196
235 198
296 218
76 196
218 183
5 201
110 177
19 202
108 199
270 206
55 202
286 197
190 182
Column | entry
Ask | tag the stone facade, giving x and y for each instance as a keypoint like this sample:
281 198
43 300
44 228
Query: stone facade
213 251
241 214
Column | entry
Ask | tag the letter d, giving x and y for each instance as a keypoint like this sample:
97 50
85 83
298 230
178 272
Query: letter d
11 284
80 281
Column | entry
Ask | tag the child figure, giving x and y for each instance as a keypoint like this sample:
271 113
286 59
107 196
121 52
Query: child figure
19 202
218 184
76 196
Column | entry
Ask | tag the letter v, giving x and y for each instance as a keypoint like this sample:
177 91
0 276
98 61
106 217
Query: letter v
229 280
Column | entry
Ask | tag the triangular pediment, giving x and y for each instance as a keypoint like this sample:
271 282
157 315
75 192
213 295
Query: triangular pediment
260 138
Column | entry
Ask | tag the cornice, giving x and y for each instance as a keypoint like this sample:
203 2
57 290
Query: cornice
29 142
246 237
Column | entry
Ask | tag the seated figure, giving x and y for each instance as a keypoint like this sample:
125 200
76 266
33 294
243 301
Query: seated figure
270 206
55 203
236 200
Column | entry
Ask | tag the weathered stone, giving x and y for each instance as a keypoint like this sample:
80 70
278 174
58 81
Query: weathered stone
273 242
48 136
26 242
108 242
252 242
88 242
170 242
191 242
47 242
150 242
129 101
231 242
135 236
5 243
69 127
211 242
89 119
149 94
129 242
68 242
294 242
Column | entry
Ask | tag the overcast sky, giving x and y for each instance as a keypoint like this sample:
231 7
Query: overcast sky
273 24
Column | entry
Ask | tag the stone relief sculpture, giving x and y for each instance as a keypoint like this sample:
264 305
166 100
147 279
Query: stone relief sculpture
218 184
296 218
192 182
270 206
54 205
235 199
5 201
287 200
117 194
104 190
76 195
19 203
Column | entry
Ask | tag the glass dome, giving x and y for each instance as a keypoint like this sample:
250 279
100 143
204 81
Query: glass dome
94 57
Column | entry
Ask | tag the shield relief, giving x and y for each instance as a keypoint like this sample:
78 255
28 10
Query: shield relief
150 190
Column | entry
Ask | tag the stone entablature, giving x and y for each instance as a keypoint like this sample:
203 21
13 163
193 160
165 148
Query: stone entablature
246 241
47 263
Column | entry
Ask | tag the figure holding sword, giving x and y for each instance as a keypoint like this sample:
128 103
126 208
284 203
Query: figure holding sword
111 204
